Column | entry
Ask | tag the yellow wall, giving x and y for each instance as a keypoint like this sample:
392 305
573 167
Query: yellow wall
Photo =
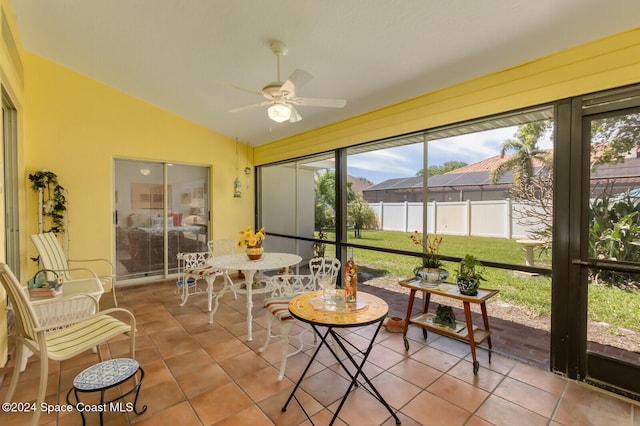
75 127
602 64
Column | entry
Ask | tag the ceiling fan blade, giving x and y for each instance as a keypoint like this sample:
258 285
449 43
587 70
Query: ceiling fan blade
288 89
248 107
240 88
295 115
300 77
320 102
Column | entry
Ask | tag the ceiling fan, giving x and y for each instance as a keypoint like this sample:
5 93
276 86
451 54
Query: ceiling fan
281 97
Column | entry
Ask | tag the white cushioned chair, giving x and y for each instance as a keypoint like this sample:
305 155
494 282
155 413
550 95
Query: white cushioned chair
52 257
193 267
69 338
277 306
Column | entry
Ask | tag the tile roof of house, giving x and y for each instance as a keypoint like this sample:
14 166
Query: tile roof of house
477 174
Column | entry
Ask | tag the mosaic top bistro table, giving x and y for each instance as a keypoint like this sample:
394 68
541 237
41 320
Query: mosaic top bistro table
241 262
104 376
311 308
463 330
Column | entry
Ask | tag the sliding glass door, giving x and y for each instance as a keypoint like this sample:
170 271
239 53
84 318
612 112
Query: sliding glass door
612 259
162 209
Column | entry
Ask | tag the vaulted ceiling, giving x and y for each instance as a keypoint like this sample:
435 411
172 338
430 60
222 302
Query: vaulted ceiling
186 56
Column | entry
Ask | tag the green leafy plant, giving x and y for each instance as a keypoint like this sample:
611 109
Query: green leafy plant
54 201
469 275
470 268
445 316
614 228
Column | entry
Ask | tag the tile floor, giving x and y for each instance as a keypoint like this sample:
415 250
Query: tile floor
204 374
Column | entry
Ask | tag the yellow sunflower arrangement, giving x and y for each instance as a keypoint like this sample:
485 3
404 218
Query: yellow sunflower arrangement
250 239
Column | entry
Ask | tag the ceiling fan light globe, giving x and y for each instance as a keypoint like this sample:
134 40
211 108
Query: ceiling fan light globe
279 112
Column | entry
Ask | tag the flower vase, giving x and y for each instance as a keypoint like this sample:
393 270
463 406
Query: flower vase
254 252
431 276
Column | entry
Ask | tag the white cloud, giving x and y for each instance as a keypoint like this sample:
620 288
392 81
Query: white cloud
405 161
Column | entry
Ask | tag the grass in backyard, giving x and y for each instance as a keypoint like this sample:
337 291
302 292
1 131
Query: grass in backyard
618 308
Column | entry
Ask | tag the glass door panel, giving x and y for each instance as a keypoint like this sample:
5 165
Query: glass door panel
613 280
298 200
187 211
161 210
139 225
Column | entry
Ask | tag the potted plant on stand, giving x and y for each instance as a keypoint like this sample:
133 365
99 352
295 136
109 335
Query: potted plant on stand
469 275
431 271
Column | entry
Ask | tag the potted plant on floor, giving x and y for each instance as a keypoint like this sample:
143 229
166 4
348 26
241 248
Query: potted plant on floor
469 275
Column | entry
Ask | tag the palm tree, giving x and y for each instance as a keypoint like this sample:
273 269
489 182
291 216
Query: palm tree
526 154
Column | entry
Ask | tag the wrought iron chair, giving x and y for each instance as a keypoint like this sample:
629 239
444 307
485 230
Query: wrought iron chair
70 338
322 267
52 257
277 306
193 267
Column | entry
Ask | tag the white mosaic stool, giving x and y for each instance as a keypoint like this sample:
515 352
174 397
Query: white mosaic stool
106 375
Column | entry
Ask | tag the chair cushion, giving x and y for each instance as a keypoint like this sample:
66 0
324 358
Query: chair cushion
84 335
203 271
279 308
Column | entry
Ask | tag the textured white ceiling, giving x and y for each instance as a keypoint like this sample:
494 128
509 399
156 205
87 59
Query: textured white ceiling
173 53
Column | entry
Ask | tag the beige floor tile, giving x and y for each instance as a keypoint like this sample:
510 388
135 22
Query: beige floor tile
220 403
226 349
499 411
395 390
174 342
361 409
262 384
429 409
180 414
584 405
325 386
203 380
251 416
544 380
485 379
384 357
198 373
294 414
435 358
458 392
499 363
527 396
243 364
159 397
188 362
416 372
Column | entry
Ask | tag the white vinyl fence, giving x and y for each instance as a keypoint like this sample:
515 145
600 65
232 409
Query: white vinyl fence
496 218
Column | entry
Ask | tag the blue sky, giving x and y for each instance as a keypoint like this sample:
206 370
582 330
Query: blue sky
405 161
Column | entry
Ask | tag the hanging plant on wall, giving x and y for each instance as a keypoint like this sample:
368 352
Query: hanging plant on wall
54 203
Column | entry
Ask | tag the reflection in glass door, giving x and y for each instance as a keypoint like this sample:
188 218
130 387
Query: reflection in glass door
161 210
613 329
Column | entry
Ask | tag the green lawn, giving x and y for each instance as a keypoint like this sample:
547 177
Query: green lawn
620 309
